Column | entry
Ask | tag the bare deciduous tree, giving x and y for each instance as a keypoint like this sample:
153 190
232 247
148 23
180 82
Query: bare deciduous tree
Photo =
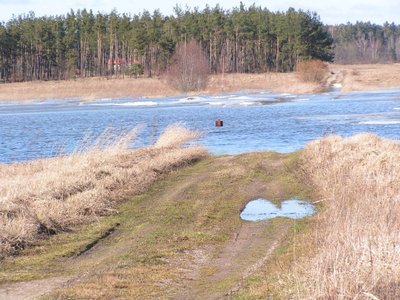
189 69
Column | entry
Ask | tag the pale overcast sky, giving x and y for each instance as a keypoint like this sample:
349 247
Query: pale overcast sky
330 11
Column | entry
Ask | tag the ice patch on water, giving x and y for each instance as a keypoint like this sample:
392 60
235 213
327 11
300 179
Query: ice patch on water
249 103
216 103
223 97
191 99
241 98
137 103
381 122
96 101
98 104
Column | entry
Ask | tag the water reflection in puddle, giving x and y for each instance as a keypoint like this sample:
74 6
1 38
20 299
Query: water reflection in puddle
261 209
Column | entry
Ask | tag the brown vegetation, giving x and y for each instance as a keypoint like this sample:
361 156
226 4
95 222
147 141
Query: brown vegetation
277 82
189 70
96 88
357 234
86 89
366 77
350 77
47 196
312 70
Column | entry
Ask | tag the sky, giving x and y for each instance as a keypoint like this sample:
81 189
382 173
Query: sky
331 11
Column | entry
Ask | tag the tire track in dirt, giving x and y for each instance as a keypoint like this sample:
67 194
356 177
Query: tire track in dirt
243 255
31 289
206 269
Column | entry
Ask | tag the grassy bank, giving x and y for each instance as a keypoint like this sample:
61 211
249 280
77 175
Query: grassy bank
368 77
351 77
350 249
48 196
357 236
182 238
96 88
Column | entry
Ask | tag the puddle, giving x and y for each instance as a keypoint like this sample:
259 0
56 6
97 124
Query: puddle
261 209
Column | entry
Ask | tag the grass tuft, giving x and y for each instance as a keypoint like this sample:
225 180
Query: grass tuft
175 135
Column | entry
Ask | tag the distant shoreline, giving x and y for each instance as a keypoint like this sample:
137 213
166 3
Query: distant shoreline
90 89
349 77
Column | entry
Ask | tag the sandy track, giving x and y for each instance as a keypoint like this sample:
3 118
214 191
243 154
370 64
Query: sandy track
365 77
31 289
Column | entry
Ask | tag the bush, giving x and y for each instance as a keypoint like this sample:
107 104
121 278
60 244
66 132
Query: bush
312 70
189 69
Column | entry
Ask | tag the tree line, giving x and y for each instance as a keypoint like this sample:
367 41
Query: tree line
84 44
364 42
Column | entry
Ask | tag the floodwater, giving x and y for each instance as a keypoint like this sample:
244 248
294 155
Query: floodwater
261 209
253 121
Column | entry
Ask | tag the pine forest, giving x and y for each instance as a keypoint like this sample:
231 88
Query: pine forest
243 39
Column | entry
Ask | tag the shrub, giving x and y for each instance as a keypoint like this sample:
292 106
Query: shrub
312 70
189 69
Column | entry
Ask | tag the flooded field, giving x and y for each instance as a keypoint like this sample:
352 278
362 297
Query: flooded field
253 121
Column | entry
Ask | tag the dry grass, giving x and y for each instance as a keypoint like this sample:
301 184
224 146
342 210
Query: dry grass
86 89
278 82
357 239
351 77
46 196
175 135
95 88
366 77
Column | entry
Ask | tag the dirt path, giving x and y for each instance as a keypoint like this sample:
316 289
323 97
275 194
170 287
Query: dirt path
336 78
181 240
242 256
31 289
366 77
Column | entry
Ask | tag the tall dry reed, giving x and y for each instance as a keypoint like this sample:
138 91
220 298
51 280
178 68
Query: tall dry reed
357 238
46 196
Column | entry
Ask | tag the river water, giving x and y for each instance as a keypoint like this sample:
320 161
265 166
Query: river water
253 121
